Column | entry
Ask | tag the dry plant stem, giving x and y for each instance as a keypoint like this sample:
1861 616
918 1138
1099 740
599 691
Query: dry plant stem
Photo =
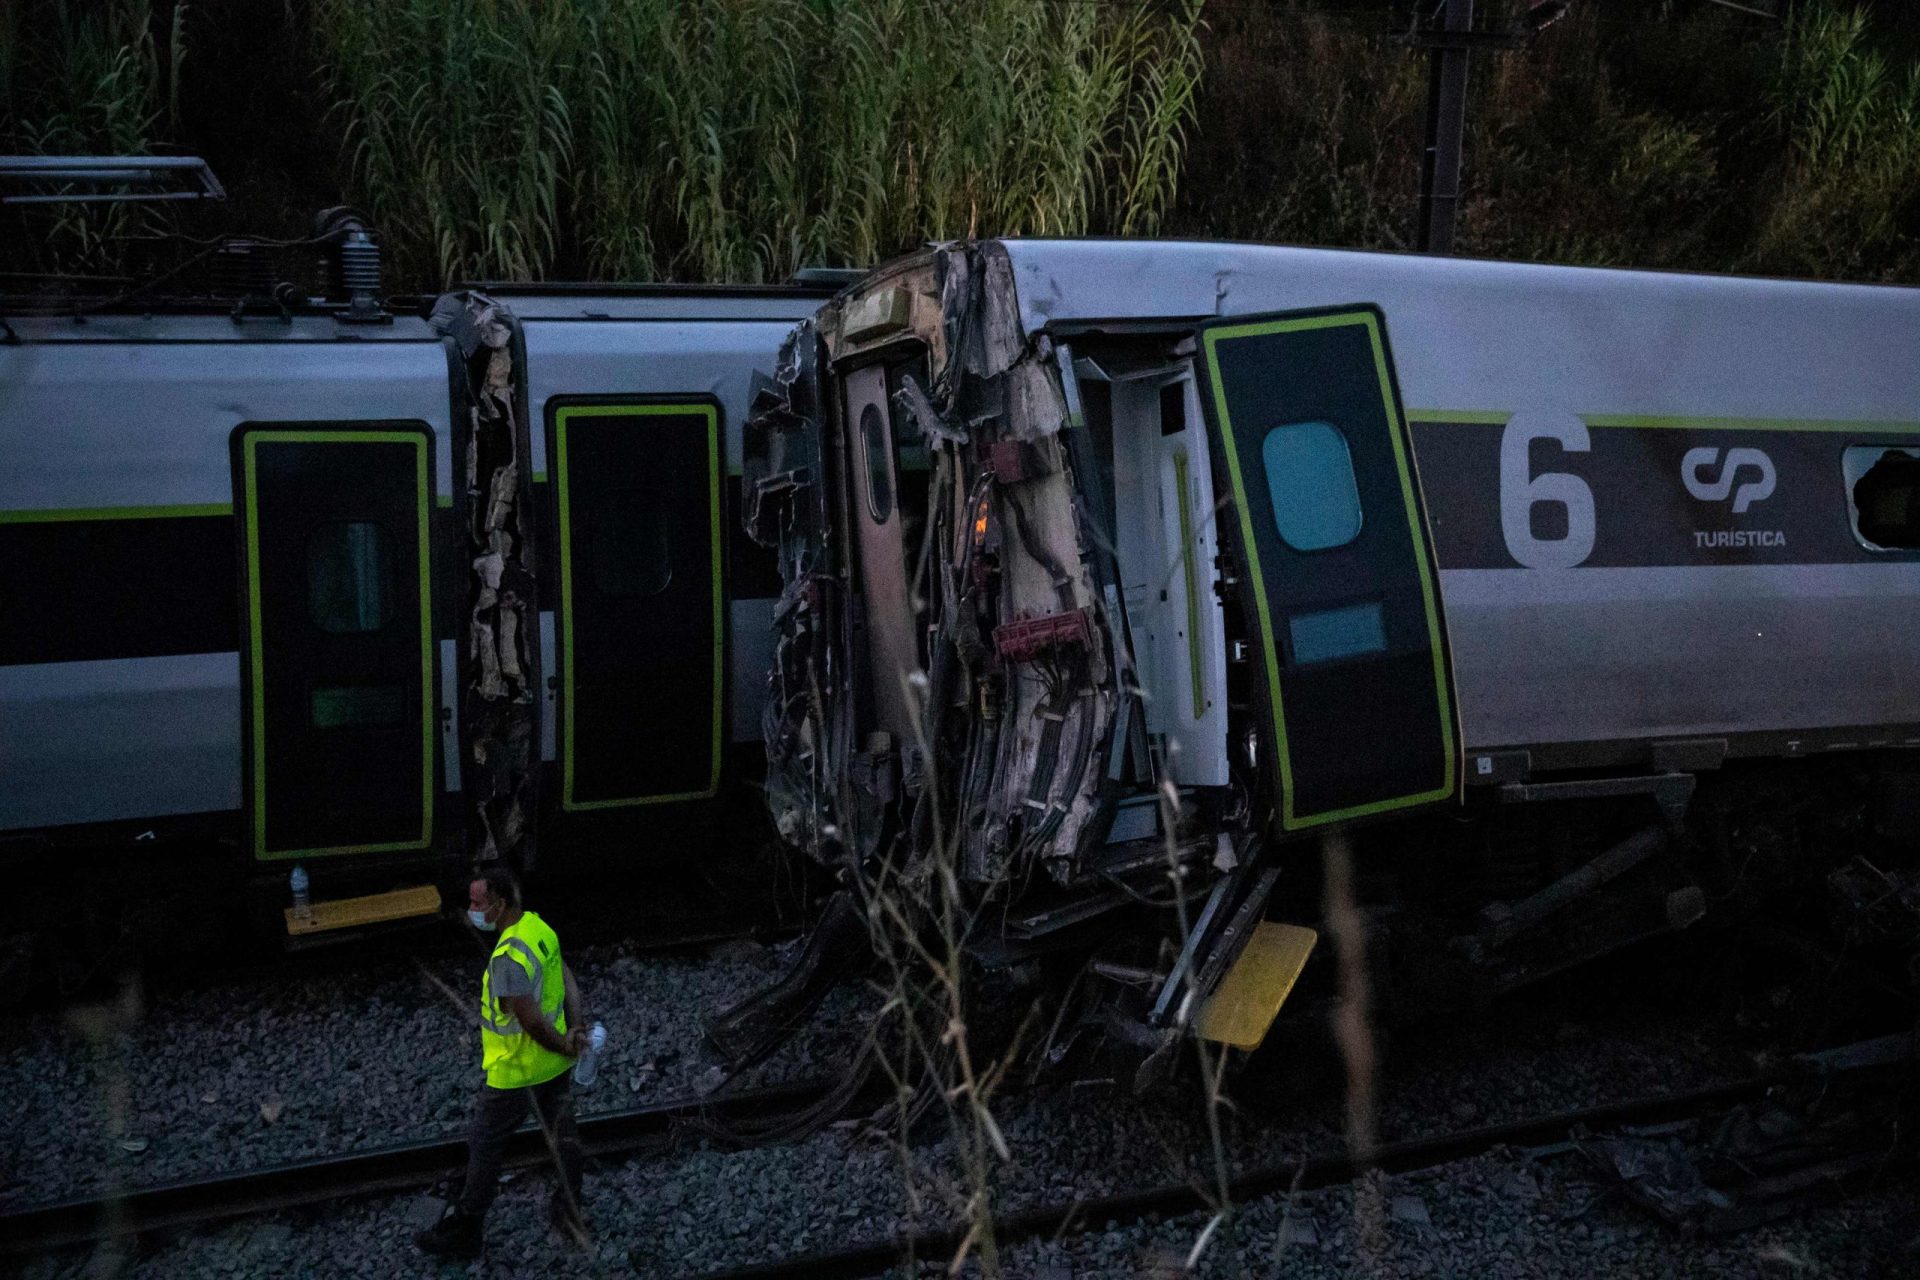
977 1136
1212 1070
1353 1032
106 1026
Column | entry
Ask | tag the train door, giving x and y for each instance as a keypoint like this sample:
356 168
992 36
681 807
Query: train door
636 486
1342 597
338 731
887 613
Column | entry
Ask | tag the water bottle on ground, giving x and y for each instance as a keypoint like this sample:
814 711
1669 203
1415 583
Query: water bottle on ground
585 1070
302 904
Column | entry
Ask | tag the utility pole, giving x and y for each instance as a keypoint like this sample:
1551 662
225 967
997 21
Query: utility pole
1446 127
1447 48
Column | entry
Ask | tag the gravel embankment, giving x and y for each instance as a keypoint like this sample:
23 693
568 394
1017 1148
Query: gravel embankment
1496 1216
246 1075
701 1209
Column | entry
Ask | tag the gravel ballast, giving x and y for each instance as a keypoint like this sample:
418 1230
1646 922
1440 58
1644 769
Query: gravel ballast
700 1208
251 1074
706 1209
1495 1216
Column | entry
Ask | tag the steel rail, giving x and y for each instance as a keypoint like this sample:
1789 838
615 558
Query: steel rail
1304 1174
221 1197
404 1166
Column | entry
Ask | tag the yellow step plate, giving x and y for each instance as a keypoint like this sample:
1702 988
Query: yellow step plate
1243 1006
375 908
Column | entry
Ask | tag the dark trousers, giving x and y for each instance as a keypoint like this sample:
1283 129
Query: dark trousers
496 1114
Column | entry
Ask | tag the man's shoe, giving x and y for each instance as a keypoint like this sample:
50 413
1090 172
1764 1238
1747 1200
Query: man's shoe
456 1235
565 1219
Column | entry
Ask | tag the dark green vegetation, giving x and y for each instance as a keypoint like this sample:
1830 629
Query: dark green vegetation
1652 133
652 139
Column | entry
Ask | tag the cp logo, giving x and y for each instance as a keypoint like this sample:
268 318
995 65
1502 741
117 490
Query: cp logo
1757 464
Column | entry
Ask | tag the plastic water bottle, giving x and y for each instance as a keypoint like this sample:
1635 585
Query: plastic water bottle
302 904
585 1070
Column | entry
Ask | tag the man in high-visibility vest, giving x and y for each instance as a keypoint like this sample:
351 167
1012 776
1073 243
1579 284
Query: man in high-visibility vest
530 1034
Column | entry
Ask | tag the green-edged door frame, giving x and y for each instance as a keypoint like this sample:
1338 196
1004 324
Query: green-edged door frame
565 415
247 441
1440 713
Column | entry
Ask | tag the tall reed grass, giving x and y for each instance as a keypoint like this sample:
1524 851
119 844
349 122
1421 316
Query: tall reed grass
87 77
1849 187
741 139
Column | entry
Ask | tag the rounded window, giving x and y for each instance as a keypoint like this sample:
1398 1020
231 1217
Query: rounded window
879 451
626 545
1310 480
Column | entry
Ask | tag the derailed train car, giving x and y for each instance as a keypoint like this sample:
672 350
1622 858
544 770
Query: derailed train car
1118 576
1092 559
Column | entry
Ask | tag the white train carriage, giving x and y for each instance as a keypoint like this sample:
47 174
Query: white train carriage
1648 491
239 554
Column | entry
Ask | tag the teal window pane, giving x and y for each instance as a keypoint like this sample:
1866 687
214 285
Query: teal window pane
1337 633
349 577
1316 500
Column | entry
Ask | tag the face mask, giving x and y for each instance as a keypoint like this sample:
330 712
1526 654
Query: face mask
480 921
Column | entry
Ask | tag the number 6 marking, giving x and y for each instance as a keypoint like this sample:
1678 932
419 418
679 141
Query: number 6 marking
1520 491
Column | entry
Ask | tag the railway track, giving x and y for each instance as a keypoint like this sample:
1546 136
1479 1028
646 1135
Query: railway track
1891 1055
201 1201
204 1201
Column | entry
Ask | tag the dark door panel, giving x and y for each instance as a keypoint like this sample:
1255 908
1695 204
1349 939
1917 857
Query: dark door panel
337 639
1330 536
637 496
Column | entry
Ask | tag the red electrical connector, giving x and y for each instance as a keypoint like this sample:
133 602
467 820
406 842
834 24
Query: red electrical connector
1023 639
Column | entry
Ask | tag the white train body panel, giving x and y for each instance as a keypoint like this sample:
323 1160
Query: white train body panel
132 417
1676 601
597 346
1657 613
122 425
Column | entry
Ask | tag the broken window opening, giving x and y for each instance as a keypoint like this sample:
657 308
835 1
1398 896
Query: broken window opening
912 452
349 577
1173 408
1885 488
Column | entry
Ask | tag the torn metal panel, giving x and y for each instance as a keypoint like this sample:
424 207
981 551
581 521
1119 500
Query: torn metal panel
954 716
987 733
1761 1162
499 712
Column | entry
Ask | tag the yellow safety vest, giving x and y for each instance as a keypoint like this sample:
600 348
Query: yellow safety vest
512 1058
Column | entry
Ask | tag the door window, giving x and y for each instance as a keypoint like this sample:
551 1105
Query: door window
1328 634
627 545
349 577
1316 500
